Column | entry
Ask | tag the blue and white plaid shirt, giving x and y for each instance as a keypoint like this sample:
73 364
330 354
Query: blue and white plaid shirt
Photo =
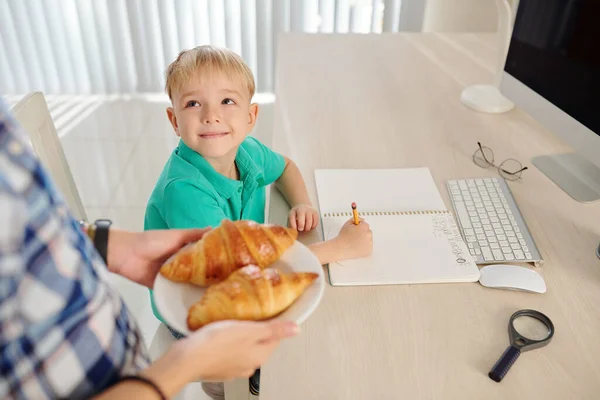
64 331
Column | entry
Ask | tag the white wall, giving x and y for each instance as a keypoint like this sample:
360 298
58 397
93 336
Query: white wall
460 16
452 15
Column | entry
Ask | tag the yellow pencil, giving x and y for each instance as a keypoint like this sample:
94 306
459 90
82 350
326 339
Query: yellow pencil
355 214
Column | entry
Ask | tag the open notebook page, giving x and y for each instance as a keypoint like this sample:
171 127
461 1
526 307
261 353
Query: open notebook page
423 248
407 248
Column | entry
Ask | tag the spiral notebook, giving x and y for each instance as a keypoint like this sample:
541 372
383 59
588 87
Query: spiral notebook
415 237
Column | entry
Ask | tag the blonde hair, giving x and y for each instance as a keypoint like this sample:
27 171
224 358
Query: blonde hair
207 59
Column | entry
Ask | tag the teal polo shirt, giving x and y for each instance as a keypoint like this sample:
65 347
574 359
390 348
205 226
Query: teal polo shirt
191 194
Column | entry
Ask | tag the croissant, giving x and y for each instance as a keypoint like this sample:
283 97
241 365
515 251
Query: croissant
227 248
250 293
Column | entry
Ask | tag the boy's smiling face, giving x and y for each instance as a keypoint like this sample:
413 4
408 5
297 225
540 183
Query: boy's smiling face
213 115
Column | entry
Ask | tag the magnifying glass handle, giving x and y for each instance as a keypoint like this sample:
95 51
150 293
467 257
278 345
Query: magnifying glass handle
504 363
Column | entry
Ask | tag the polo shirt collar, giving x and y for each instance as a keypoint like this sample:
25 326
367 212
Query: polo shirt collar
226 187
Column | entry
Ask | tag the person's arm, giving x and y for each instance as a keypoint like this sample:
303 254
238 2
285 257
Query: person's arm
218 352
302 216
292 186
288 180
328 251
169 379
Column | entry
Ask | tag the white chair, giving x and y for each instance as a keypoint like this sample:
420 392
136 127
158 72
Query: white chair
33 115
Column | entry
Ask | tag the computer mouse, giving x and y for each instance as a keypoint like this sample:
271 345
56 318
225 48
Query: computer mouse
512 277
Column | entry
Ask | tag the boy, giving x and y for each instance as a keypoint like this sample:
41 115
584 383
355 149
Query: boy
218 172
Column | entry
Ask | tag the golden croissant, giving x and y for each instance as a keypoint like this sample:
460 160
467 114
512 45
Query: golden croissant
227 248
250 293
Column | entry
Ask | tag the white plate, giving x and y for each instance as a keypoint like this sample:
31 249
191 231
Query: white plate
173 300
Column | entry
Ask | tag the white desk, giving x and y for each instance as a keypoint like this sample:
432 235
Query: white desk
392 101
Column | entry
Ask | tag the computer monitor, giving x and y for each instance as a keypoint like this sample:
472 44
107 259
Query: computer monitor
552 72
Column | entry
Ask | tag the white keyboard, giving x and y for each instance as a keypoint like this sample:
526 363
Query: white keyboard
491 222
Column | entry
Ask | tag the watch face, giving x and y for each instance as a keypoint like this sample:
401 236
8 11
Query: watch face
103 223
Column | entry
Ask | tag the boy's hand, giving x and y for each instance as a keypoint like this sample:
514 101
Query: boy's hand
356 240
303 218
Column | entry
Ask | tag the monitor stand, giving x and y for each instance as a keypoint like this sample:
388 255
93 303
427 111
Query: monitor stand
573 174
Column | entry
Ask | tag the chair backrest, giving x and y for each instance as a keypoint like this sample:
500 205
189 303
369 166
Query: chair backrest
34 116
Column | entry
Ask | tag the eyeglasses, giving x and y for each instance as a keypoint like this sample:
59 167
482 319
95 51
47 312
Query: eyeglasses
510 168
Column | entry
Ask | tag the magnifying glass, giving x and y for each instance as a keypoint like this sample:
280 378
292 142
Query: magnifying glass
527 330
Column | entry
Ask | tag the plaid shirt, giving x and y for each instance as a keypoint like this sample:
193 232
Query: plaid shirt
64 332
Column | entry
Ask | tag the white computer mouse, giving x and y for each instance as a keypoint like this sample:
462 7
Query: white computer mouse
512 277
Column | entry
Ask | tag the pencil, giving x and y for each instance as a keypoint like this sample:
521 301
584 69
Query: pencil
355 214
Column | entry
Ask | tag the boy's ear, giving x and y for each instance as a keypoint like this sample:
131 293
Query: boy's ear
173 119
252 115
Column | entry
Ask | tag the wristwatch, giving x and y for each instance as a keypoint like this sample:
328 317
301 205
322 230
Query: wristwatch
100 238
